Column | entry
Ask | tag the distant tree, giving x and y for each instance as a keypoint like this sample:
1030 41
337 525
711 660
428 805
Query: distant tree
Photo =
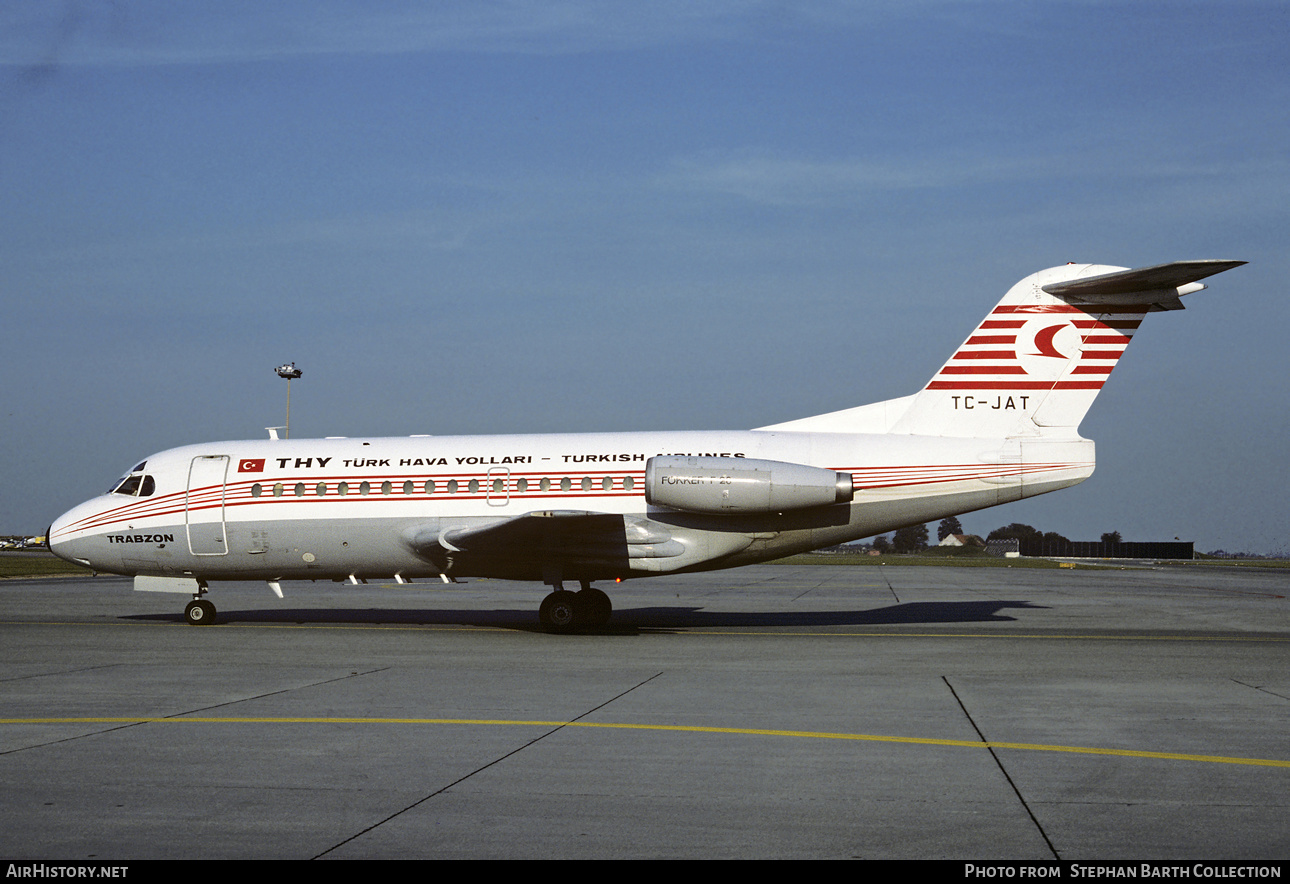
1015 531
910 539
882 544
949 526
1054 544
1111 537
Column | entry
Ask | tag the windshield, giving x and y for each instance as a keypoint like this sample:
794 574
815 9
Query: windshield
134 483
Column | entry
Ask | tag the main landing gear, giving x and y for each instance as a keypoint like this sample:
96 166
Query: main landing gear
564 611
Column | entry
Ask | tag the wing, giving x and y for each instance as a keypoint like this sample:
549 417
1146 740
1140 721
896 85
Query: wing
555 535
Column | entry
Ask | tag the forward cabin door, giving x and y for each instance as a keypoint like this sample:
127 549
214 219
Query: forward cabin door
204 505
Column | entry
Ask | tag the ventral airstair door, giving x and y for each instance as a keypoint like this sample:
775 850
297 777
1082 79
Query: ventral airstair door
204 505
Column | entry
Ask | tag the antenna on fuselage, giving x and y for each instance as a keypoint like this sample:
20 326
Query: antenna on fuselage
287 370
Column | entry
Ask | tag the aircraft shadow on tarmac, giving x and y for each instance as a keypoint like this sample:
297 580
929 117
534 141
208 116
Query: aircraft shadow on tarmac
627 621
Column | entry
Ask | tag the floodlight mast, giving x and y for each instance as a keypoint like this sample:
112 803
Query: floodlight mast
288 370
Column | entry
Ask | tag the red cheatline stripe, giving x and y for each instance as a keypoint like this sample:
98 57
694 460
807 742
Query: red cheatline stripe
1101 354
1122 340
1092 369
983 369
1003 323
238 493
991 339
877 482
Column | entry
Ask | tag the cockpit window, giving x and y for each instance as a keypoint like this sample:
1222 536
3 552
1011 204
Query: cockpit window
135 483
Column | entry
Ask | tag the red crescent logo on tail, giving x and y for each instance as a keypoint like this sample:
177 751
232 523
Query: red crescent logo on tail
1044 342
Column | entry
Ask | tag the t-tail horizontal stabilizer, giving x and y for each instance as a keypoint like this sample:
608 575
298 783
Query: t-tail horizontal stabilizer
1159 286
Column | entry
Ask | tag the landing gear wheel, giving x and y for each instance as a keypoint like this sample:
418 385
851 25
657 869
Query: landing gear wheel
594 607
199 613
559 611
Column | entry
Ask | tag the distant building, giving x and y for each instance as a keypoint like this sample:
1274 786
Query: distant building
1004 549
963 540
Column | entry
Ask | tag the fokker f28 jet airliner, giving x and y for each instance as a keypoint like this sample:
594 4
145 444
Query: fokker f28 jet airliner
997 423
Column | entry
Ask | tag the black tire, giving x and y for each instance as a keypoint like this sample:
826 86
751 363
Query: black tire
199 612
559 611
594 607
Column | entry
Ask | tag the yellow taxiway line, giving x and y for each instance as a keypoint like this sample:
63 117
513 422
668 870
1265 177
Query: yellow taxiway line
759 732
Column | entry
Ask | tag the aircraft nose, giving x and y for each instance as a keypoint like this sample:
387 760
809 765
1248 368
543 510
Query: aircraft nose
61 541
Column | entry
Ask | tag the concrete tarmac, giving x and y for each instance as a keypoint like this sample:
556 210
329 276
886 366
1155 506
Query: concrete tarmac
777 711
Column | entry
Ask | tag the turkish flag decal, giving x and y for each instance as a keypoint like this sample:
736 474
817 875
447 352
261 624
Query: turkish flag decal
251 466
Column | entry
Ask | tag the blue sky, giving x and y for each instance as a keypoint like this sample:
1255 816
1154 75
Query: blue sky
575 216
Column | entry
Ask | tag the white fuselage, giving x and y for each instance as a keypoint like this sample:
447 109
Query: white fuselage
380 508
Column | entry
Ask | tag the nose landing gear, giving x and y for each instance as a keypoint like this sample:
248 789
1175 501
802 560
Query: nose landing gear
199 612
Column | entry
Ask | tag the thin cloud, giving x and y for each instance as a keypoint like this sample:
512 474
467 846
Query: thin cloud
778 180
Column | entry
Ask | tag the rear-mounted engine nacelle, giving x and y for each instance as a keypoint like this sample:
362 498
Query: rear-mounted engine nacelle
741 485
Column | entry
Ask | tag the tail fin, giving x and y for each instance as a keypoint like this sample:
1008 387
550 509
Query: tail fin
1037 361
